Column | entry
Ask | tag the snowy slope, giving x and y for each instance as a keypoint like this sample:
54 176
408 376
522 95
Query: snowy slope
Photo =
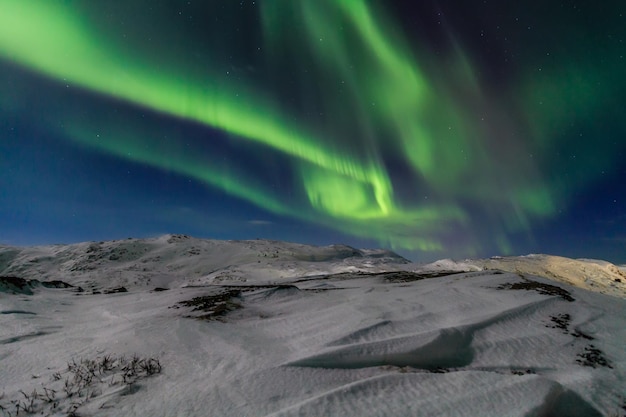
343 332
174 260
591 274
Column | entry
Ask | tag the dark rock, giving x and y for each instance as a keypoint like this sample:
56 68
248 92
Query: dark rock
56 284
541 288
16 285
115 290
593 357
407 276
213 306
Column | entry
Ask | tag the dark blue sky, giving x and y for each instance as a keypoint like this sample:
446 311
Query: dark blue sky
437 129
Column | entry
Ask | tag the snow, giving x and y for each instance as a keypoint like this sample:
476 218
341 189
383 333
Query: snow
294 330
591 274
176 260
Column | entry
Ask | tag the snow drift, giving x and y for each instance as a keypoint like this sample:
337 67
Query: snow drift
261 328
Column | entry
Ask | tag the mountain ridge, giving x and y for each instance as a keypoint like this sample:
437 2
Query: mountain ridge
175 260
184 260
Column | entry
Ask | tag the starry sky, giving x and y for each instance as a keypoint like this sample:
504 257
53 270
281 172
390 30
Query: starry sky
434 128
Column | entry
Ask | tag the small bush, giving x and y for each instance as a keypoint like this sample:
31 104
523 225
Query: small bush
81 381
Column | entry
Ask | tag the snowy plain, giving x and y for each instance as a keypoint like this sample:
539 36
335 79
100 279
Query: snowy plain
266 328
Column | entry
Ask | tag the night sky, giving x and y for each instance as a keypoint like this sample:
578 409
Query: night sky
438 129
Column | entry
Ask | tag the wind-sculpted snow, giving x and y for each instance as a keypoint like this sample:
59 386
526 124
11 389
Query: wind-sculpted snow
436 350
365 338
460 394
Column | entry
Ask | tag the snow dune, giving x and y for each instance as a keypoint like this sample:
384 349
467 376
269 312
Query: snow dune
319 331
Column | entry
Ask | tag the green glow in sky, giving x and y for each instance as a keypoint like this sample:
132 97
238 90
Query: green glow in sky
383 140
56 43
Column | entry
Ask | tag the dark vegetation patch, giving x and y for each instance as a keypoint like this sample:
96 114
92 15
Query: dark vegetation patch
281 288
115 290
344 276
561 321
160 289
392 276
213 306
56 284
521 372
439 370
17 285
593 357
247 288
82 381
178 238
541 288
578 333
341 276
318 290
407 276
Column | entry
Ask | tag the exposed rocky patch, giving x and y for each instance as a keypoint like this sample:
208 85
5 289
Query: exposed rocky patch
593 275
17 285
56 284
212 306
561 321
540 287
115 290
593 357
407 276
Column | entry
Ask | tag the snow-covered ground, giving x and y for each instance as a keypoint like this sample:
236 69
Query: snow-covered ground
591 274
176 260
261 328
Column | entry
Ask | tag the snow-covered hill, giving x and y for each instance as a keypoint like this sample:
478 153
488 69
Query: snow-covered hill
175 260
591 274
262 328
179 260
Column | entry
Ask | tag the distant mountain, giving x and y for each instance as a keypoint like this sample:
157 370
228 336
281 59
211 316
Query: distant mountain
594 275
181 260
177 326
176 260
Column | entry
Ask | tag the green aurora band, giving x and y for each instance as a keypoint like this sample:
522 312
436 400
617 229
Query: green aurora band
379 106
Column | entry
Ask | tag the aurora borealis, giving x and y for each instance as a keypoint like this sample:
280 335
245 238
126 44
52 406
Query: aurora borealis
435 129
